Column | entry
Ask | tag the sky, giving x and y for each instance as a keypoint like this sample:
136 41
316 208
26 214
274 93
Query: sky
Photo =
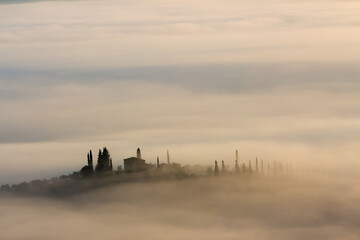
277 80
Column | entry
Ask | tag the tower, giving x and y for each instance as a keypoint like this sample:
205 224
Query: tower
157 162
250 169
222 166
237 155
168 157
262 166
138 153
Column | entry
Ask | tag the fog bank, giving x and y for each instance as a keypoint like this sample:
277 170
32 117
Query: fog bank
205 208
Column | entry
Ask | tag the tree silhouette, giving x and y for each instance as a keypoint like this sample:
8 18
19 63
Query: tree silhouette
237 168
223 170
100 163
88 170
106 157
216 169
104 163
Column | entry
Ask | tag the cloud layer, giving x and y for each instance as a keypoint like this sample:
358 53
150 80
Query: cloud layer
100 34
222 208
276 79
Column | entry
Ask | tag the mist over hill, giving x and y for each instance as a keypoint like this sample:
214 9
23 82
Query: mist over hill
226 207
84 84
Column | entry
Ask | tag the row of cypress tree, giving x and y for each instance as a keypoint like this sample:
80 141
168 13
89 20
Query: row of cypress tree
104 163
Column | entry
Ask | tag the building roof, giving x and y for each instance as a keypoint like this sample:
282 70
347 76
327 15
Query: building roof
134 159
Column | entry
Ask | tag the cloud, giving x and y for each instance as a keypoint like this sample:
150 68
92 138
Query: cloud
228 78
32 1
231 97
223 208
54 117
122 34
127 73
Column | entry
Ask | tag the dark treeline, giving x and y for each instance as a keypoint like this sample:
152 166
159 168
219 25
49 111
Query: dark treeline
136 169
103 166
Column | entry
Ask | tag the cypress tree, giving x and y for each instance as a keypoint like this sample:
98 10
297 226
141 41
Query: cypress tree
106 159
91 158
100 163
216 169
237 168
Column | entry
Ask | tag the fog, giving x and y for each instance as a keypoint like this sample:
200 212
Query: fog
52 125
276 79
225 207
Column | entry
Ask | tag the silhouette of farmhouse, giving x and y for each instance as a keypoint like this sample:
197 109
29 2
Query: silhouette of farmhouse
135 164
67 184
138 164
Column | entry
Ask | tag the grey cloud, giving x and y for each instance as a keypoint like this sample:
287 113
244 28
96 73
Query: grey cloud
50 105
209 78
